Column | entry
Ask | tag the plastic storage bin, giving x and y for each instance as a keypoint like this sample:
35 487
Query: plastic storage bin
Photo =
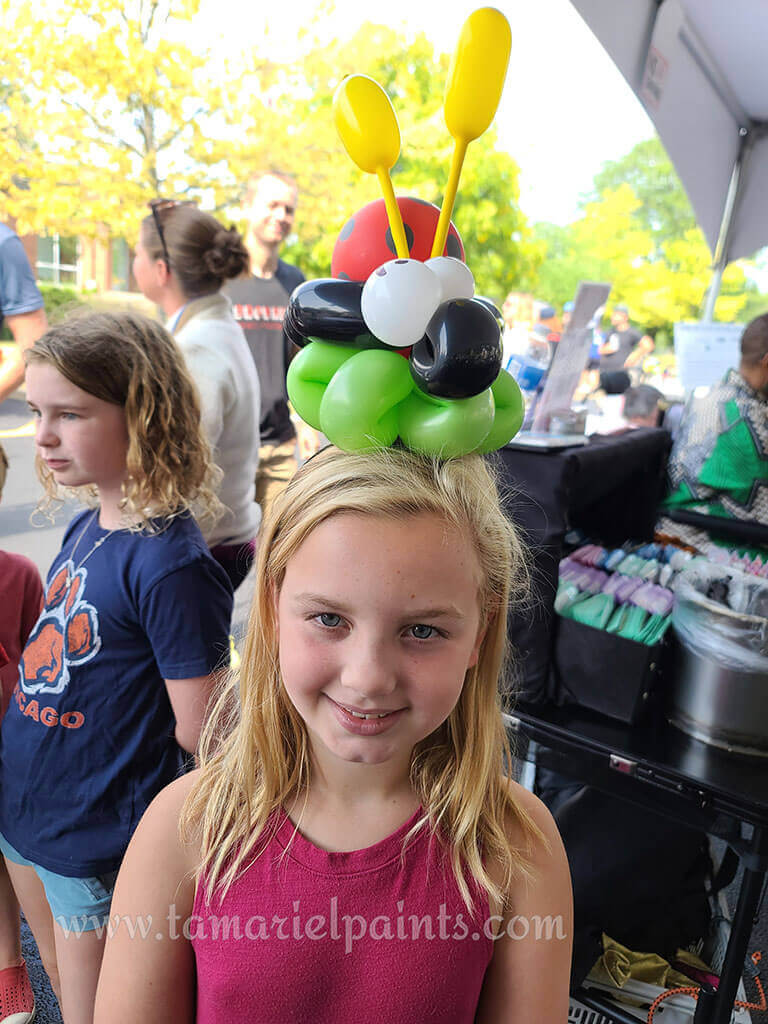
604 672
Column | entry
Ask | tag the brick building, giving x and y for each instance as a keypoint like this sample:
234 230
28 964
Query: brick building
89 264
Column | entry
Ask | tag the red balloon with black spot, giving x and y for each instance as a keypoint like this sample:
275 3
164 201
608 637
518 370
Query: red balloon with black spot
365 241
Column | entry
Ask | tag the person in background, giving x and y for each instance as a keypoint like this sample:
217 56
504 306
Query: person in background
259 300
547 318
641 406
115 677
183 258
21 305
719 460
21 599
623 348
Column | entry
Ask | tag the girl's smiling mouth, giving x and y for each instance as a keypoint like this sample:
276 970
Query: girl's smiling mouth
365 723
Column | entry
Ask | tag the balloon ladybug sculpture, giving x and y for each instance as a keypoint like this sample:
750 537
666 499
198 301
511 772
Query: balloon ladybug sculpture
396 346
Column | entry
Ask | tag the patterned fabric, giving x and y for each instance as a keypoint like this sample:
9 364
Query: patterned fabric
719 463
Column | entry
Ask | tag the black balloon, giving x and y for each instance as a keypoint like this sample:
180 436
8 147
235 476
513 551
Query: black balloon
329 309
460 355
490 304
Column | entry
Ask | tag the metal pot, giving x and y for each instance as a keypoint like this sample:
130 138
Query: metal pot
722 706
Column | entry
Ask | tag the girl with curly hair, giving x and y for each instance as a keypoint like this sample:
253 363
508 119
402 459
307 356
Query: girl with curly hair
115 677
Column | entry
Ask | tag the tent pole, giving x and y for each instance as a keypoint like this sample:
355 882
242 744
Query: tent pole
726 225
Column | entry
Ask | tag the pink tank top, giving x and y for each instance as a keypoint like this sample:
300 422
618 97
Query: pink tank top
360 937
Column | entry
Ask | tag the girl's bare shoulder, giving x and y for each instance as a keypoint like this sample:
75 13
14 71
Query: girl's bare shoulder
539 814
159 827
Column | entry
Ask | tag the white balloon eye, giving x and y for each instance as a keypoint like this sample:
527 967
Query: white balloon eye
398 301
456 280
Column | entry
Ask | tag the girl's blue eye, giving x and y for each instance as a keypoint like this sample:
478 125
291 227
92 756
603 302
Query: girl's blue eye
329 619
422 632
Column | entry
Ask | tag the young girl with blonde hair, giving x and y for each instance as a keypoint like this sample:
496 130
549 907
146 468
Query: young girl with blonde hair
116 674
351 848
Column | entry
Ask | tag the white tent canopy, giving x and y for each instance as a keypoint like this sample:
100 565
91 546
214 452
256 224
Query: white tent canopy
700 69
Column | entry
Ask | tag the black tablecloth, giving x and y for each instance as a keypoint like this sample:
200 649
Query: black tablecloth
610 488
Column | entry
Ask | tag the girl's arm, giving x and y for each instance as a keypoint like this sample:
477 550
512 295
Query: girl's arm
529 975
186 617
148 972
189 700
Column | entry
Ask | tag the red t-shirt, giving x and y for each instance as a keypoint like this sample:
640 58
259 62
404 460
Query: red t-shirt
21 599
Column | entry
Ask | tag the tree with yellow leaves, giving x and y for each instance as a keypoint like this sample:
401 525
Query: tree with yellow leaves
112 106
662 280
487 214
118 102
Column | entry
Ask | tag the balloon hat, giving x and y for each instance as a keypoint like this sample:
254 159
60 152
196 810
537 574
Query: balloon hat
396 346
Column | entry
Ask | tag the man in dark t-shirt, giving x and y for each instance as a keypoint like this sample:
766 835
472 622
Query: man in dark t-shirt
258 304
623 347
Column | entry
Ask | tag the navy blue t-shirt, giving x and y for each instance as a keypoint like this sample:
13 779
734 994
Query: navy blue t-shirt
18 291
88 739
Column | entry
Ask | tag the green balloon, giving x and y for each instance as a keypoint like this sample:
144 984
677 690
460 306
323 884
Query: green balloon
443 426
510 412
309 375
359 410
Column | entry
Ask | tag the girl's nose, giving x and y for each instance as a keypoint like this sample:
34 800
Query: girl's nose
45 437
369 670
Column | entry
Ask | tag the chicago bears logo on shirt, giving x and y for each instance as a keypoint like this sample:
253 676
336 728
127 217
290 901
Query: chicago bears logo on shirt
66 634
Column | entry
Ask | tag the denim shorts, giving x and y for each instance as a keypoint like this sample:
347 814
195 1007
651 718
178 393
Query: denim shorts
77 904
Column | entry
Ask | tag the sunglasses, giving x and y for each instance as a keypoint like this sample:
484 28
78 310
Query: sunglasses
157 206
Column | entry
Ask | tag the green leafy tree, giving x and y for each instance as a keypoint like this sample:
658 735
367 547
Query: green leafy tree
664 208
121 108
132 108
498 243
756 303
646 246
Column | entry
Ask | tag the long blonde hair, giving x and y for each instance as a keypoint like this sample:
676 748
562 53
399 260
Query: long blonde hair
131 361
254 753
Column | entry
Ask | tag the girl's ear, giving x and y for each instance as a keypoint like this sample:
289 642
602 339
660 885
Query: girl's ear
162 273
475 653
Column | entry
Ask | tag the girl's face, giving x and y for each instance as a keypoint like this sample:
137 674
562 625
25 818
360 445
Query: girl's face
82 439
378 622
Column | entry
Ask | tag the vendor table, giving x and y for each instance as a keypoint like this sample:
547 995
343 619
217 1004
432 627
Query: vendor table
610 488
658 767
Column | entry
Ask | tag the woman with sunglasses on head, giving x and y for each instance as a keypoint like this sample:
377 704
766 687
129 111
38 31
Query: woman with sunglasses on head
183 257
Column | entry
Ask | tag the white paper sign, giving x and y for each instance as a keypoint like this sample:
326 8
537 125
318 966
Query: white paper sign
705 351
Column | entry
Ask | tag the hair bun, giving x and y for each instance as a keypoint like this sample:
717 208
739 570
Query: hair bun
227 256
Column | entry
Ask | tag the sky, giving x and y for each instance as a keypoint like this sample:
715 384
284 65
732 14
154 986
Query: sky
565 108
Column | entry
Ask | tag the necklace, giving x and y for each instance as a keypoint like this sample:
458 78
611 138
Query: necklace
96 545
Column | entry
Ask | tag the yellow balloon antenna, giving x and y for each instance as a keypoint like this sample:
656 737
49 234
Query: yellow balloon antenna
472 95
367 125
